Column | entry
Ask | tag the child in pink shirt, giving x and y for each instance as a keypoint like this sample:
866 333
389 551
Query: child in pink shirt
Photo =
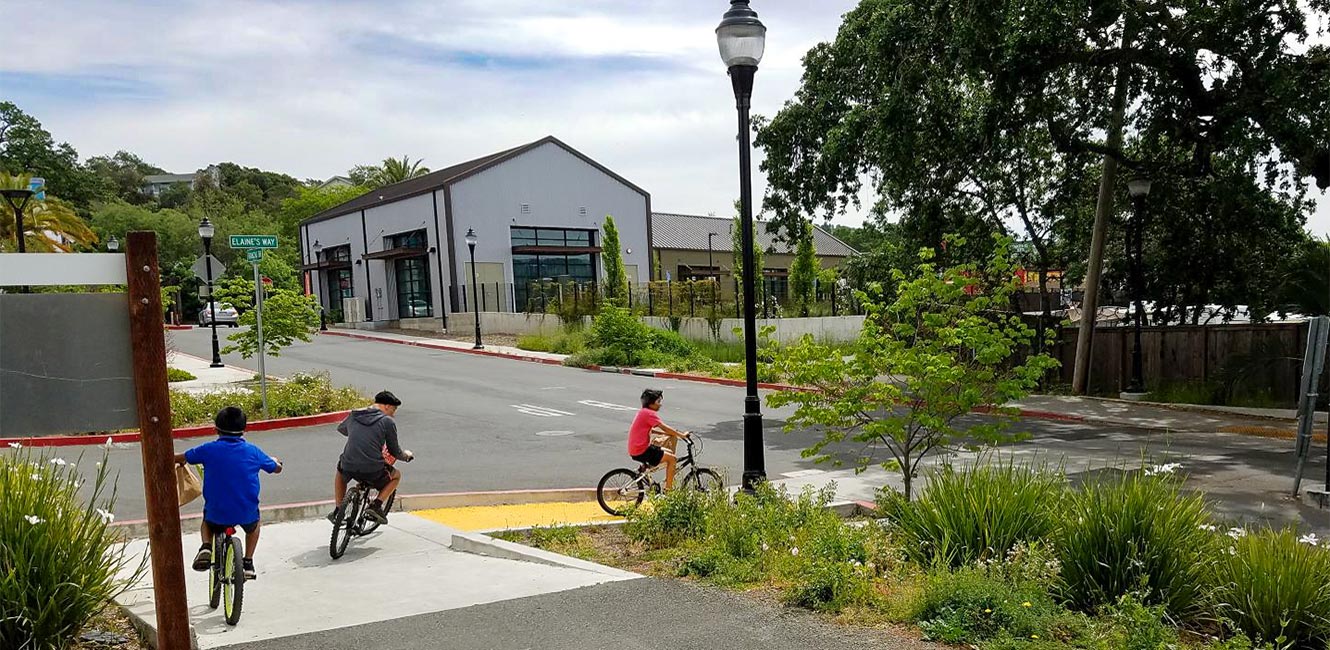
642 447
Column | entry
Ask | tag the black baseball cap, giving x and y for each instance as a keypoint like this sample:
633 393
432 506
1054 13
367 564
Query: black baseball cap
231 421
385 397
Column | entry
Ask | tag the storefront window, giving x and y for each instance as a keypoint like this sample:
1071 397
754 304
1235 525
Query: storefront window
530 268
412 276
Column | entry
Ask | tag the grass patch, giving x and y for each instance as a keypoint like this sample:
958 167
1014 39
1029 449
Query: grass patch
567 341
301 394
176 374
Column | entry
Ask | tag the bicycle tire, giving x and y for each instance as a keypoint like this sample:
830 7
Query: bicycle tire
344 525
368 525
215 575
629 491
703 480
235 586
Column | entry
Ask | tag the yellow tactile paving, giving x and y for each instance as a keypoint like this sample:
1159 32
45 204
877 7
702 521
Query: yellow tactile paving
478 518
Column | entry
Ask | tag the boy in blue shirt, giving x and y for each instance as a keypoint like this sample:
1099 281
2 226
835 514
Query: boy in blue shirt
231 467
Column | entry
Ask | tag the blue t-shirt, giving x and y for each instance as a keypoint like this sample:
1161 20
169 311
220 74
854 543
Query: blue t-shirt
231 479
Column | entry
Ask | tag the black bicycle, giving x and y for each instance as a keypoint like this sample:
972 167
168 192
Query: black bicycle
226 575
621 489
352 519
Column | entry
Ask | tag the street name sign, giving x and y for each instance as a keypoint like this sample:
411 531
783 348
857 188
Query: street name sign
253 241
254 255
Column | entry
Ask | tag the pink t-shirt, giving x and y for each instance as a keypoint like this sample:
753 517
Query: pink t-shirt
639 435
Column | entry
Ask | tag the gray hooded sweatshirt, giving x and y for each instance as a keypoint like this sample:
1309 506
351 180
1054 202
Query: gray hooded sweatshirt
367 430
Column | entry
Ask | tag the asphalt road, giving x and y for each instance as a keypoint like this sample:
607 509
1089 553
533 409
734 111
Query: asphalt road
484 423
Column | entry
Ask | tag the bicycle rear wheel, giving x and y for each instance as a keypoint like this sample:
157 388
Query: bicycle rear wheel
368 525
215 574
703 480
345 525
619 490
233 581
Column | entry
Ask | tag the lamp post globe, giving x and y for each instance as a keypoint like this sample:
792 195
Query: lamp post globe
1138 188
113 244
475 286
206 232
741 38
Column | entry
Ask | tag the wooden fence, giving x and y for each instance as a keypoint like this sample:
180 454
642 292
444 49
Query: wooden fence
1250 358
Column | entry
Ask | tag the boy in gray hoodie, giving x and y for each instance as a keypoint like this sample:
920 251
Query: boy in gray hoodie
368 432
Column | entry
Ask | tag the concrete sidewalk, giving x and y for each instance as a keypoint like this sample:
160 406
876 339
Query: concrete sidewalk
407 568
208 379
1161 416
446 344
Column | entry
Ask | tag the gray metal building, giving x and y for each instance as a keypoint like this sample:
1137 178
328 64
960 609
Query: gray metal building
537 212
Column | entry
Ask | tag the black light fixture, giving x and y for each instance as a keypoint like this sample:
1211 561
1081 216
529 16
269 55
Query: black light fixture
18 200
742 40
475 286
1139 189
206 232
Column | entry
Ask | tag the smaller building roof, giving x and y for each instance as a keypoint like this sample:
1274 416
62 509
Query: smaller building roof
159 179
689 232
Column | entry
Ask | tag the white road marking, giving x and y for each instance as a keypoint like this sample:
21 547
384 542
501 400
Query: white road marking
606 405
803 472
555 434
553 388
539 411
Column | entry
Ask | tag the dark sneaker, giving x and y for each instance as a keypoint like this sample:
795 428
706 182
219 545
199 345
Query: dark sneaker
335 515
375 512
249 570
203 560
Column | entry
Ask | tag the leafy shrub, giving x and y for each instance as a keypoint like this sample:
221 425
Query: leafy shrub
970 605
301 394
624 339
59 562
671 343
176 374
569 341
976 512
1271 585
671 518
830 585
1136 534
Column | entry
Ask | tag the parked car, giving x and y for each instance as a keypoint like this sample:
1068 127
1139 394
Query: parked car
226 315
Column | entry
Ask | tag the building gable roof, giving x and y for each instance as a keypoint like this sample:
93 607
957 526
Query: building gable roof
689 232
447 176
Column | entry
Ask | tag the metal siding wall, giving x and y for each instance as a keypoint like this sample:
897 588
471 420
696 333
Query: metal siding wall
338 232
556 184
394 218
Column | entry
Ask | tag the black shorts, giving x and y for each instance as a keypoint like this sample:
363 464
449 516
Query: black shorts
378 479
652 456
217 529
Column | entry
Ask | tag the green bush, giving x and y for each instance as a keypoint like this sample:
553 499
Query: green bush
671 344
60 564
300 394
671 518
1273 585
830 585
971 604
569 341
977 512
1136 534
176 374
624 340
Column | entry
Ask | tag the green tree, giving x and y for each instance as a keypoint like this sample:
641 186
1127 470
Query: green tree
736 241
288 316
616 281
49 226
390 171
27 149
941 348
178 242
122 176
256 189
1305 286
804 271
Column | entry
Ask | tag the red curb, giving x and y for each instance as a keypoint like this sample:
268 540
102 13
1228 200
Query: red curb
179 327
446 348
183 432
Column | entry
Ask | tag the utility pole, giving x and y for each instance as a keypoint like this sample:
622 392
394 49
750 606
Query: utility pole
1080 379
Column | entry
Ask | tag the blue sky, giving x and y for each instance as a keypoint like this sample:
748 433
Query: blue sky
313 87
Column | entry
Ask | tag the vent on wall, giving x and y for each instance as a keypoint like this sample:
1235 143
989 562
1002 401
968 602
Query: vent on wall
526 208
582 211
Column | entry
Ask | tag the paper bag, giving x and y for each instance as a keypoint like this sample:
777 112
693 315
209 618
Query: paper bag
187 484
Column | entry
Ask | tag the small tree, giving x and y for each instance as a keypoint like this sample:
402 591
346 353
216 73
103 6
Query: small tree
616 282
737 242
803 272
942 348
288 316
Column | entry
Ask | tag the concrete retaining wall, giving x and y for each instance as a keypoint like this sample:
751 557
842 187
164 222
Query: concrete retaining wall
493 322
788 330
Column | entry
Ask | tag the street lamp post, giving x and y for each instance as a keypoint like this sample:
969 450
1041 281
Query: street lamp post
18 200
711 271
1139 189
475 286
323 311
742 39
206 231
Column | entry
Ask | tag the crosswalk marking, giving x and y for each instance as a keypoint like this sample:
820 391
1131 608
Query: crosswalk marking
539 411
803 472
606 405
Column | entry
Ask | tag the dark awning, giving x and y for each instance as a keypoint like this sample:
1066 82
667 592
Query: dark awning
396 253
326 266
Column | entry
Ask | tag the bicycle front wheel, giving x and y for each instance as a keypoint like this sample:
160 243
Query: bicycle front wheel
619 490
215 574
703 480
344 526
233 581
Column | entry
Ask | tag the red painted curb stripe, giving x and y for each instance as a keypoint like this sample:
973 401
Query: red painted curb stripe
183 432
180 327
446 348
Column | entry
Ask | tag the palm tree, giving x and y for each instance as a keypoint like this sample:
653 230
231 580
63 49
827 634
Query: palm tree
49 226
396 171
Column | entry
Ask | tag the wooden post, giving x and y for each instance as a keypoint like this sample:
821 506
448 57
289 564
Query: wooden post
154 408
